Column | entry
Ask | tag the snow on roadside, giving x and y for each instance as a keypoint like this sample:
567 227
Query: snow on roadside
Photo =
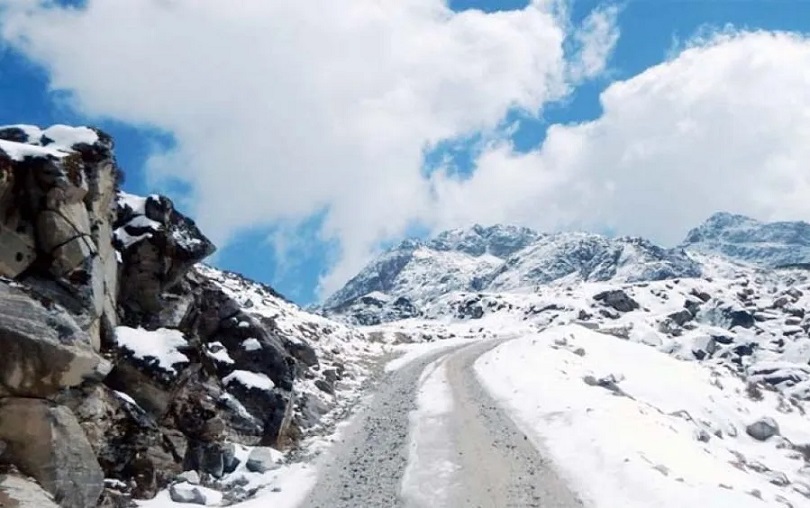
411 352
630 426
430 468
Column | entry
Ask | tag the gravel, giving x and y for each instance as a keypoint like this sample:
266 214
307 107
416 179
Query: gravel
498 465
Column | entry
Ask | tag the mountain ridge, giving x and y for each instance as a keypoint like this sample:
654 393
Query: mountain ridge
507 258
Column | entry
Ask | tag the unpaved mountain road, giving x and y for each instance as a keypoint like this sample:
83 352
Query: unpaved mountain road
495 466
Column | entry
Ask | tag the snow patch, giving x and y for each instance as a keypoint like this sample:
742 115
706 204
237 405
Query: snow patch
160 347
249 379
626 422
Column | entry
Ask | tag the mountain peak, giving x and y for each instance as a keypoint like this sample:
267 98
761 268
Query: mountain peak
742 238
498 258
498 240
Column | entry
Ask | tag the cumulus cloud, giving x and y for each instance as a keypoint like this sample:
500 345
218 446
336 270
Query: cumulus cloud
722 125
282 110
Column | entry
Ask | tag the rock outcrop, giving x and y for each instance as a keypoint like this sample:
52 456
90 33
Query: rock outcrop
121 360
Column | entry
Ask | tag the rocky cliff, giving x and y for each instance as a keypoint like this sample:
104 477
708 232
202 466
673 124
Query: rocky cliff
123 363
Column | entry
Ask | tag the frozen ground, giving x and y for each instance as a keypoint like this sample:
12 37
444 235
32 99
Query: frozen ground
632 427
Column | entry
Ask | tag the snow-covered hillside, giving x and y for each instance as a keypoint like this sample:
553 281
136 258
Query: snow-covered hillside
651 377
745 239
403 281
652 393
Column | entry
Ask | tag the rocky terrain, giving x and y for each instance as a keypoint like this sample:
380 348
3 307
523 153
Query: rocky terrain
701 352
127 366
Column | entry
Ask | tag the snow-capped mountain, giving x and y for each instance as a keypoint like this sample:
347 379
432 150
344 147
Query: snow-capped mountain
402 281
742 238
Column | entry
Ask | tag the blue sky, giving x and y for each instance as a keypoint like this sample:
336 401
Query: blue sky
650 31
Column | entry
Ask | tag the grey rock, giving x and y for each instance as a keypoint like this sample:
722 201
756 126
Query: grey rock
763 429
46 442
681 317
191 477
229 459
18 491
186 493
171 244
128 442
262 459
18 251
44 350
618 300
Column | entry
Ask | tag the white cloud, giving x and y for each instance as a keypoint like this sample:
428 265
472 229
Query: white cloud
284 109
723 125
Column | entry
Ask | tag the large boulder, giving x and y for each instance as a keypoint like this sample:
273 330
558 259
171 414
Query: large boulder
46 442
44 350
763 429
618 300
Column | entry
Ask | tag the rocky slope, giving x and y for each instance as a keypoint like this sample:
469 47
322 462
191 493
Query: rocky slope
405 280
126 364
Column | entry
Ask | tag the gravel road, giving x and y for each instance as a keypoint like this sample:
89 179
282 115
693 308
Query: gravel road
498 467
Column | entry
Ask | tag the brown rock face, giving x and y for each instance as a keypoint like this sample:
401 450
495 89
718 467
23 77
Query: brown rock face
46 442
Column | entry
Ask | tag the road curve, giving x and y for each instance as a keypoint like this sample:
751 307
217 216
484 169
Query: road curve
497 466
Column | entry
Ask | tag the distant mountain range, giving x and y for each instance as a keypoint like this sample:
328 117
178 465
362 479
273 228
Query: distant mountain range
503 258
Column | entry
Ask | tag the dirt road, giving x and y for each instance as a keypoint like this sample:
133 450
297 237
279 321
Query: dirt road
493 464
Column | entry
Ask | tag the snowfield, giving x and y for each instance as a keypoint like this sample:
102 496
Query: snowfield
632 427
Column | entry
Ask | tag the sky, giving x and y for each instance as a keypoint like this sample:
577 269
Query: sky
304 137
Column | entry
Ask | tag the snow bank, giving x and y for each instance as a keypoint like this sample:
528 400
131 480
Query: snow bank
633 427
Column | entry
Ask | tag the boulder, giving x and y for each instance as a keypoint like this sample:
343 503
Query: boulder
741 318
44 349
618 300
187 493
46 442
681 317
191 477
18 491
763 429
263 459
